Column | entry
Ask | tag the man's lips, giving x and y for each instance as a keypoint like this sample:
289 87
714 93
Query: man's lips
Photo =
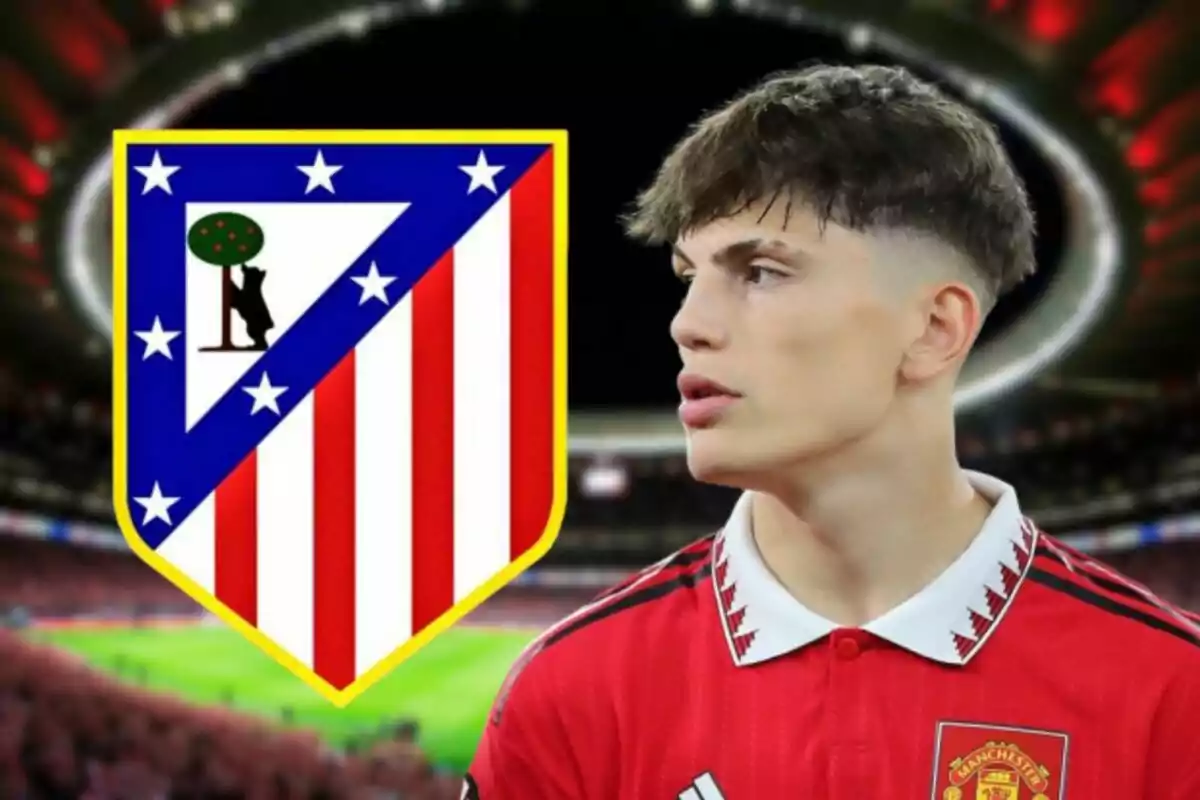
697 387
704 400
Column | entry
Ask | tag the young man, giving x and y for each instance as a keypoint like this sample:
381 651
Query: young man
872 621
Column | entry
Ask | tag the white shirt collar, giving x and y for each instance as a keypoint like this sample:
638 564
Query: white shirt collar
947 621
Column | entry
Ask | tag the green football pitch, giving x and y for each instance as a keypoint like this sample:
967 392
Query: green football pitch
447 687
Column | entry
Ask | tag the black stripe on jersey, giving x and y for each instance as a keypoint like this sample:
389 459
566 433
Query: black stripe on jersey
1107 583
685 580
1110 605
694 553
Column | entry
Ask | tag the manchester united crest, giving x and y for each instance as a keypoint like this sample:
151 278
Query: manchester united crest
993 762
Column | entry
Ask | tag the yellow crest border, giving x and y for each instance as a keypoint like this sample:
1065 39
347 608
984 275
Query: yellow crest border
122 139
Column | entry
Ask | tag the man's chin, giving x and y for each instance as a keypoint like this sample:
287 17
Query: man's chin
710 460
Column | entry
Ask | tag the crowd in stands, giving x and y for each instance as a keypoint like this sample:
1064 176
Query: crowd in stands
68 732
1171 571
524 607
71 732
55 451
47 579
1130 463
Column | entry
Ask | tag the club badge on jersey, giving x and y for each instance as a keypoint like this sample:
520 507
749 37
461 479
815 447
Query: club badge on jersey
340 416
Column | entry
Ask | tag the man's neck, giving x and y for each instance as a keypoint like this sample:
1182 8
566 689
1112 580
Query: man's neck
870 527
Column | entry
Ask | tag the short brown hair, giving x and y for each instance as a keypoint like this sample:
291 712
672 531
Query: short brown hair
867 147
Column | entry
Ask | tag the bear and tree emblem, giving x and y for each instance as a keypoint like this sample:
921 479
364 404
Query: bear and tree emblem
227 240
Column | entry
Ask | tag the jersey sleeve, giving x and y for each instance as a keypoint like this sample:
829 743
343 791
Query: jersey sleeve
1173 764
535 741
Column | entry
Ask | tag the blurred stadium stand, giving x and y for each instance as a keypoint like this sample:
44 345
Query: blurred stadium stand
68 732
1103 444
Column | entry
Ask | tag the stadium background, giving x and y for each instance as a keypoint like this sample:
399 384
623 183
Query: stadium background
1085 393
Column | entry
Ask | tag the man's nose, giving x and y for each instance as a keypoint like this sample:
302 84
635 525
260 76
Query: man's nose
697 325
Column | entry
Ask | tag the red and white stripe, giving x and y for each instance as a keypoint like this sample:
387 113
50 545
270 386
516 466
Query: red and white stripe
414 472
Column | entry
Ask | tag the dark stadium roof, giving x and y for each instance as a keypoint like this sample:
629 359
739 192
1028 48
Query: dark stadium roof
1120 80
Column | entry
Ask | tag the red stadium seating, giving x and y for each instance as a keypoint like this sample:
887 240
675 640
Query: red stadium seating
48 579
66 731
69 732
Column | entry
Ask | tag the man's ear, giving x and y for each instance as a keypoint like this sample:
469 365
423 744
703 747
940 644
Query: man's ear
952 316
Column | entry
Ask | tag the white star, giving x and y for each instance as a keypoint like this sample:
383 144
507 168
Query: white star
157 340
157 176
157 506
265 395
373 285
320 174
482 174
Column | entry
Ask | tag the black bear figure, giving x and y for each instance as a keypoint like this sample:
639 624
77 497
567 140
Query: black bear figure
251 306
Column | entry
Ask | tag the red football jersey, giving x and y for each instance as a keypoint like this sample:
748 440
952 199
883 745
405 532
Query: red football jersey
1025 671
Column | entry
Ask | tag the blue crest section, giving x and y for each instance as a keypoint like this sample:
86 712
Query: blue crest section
189 465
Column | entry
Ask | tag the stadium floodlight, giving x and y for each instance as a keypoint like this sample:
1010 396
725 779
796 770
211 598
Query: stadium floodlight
859 38
224 12
234 72
355 23
604 479
44 156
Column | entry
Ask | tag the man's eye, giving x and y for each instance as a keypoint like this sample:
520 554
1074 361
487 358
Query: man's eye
757 273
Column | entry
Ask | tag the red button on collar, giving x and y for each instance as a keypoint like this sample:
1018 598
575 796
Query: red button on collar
847 648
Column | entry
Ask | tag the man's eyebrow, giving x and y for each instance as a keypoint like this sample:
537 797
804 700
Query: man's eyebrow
740 250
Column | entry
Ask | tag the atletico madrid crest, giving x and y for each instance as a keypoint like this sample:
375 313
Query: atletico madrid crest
340 417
